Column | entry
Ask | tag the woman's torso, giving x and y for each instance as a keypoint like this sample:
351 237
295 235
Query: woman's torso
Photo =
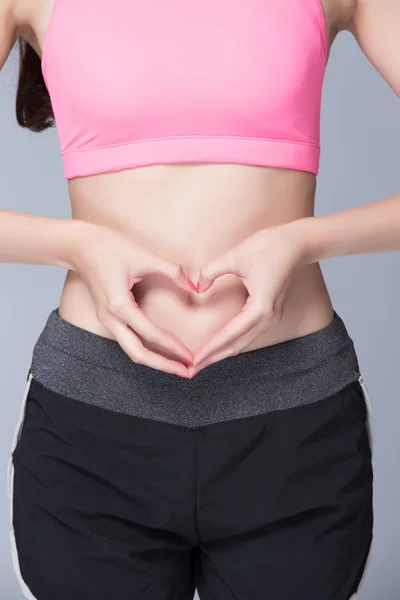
190 213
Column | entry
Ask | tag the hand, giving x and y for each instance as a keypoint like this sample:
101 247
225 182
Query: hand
110 263
265 262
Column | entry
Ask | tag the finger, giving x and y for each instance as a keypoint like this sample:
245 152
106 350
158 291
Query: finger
153 334
213 358
138 353
174 271
227 350
129 312
186 359
248 317
222 265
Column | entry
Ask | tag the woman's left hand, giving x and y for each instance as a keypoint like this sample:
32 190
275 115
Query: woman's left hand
265 262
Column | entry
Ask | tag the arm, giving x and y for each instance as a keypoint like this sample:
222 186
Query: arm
8 31
32 239
29 238
373 227
26 238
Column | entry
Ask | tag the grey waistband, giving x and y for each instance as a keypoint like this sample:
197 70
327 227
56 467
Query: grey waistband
88 367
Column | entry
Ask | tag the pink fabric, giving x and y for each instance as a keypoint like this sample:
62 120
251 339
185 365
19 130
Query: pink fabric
138 83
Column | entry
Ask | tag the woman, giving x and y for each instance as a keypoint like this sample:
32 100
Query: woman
189 135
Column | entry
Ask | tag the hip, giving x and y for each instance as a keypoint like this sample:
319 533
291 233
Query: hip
95 370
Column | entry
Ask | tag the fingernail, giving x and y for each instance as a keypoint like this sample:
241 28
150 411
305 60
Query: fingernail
181 375
190 284
198 285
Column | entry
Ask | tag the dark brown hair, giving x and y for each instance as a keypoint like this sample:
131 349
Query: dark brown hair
33 105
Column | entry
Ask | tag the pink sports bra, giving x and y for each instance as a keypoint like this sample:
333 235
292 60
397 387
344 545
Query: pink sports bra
140 83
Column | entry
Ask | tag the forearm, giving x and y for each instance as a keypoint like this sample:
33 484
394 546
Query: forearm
33 239
365 229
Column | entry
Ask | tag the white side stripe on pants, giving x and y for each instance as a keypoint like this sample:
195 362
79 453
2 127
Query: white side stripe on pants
10 486
371 442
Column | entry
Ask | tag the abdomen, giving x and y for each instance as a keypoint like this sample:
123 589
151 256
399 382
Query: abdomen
190 214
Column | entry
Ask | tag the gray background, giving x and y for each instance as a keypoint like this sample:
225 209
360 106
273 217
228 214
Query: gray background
359 164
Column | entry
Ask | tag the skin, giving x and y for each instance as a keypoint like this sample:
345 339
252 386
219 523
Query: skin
247 233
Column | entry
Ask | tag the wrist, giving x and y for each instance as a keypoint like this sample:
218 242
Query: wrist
77 234
307 240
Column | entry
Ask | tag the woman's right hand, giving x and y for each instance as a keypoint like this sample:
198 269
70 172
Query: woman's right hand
110 264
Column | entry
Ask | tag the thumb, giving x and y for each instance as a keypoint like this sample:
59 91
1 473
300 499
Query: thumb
222 265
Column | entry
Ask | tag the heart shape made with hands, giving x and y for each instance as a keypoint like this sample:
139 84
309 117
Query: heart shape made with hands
166 345
265 263
237 333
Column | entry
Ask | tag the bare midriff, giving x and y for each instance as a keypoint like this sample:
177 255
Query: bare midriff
190 213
